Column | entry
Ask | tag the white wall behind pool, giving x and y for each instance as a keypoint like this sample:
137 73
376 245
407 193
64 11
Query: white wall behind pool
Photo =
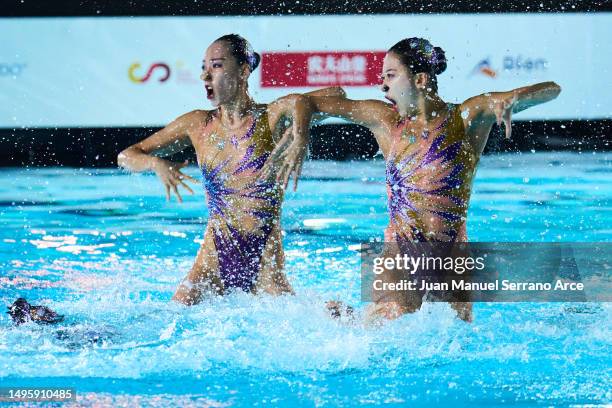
122 71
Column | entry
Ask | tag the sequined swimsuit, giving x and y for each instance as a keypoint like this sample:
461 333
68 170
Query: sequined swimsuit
429 178
243 208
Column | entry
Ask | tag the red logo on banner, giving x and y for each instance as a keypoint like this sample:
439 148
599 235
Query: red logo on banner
298 69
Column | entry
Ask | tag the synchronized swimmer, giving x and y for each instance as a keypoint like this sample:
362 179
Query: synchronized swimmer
431 149
242 246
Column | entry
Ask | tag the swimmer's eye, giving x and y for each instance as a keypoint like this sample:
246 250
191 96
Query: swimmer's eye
217 65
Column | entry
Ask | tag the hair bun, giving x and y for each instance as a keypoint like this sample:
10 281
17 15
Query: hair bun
256 60
439 61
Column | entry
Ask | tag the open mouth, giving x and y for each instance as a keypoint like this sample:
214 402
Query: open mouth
390 100
210 94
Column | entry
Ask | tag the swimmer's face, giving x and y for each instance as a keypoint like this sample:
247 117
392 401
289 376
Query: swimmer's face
398 83
223 77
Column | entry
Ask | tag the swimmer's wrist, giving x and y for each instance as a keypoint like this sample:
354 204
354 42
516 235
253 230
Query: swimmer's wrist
154 162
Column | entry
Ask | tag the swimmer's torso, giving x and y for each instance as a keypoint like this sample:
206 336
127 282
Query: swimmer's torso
244 209
429 178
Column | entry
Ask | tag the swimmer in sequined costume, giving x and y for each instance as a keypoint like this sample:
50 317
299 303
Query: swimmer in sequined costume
242 248
431 149
244 209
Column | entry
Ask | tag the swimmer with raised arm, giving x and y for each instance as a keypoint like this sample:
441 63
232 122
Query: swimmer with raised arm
242 246
431 148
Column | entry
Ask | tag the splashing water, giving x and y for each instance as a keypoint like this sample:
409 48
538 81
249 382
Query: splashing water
105 249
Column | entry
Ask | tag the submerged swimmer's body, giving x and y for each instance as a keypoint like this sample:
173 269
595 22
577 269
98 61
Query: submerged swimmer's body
21 311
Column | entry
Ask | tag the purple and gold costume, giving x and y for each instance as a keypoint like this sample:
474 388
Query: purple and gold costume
243 208
429 177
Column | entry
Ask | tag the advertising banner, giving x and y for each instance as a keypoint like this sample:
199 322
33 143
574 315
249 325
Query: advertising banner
144 71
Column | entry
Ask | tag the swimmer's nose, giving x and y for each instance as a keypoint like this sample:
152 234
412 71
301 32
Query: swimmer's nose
384 88
205 76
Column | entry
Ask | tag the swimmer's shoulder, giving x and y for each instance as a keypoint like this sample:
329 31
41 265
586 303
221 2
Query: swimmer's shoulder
198 116
196 119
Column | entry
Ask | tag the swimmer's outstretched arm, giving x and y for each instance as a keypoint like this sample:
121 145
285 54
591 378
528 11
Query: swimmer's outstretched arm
331 91
375 115
480 112
289 153
145 155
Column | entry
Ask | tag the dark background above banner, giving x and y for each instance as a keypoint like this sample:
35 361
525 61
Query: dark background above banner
98 147
33 8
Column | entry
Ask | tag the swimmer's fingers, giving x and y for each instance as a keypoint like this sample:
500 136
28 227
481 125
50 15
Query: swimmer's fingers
503 113
269 165
175 180
167 192
282 176
178 195
296 174
284 170
507 118
297 170
286 177
498 109
274 162
266 170
280 172
287 136
278 155
186 187
269 168
182 176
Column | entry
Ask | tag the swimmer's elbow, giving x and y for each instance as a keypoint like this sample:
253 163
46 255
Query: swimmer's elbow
335 91
341 91
120 159
123 159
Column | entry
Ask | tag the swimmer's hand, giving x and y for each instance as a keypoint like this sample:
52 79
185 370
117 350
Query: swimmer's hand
502 108
287 159
171 176
288 155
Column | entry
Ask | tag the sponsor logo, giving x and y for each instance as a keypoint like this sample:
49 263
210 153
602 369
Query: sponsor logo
510 64
11 69
303 69
484 68
521 64
164 70
160 72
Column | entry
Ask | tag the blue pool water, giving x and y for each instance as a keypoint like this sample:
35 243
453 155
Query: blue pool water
106 249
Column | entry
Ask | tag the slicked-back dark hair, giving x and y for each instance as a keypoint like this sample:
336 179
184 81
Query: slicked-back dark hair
419 55
241 49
